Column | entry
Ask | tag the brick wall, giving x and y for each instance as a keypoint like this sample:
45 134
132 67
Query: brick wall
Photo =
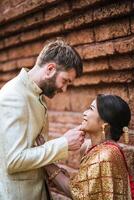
102 31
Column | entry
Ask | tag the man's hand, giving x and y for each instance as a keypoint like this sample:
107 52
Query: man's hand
75 138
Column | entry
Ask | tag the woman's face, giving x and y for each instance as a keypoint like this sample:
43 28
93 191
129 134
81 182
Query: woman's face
91 120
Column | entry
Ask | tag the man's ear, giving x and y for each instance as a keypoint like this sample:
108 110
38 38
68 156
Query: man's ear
51 70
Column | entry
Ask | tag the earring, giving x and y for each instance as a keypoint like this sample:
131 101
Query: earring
103 131
126 134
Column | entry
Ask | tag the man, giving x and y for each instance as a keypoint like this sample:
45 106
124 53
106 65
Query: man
23 113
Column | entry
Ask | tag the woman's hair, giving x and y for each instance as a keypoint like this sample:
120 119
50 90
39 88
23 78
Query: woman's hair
115 111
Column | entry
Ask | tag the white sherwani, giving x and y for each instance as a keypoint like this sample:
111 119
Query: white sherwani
22 116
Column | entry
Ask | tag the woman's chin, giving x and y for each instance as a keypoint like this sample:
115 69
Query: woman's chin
83 127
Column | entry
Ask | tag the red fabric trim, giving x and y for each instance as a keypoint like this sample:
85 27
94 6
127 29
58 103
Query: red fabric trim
131 186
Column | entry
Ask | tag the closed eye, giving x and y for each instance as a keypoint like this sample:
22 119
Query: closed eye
64 81
67 81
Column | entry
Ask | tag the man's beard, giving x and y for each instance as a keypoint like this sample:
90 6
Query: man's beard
49 87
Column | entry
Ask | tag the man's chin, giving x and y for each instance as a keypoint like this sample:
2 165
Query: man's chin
50 96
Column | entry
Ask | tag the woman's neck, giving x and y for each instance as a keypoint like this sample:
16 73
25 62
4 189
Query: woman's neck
95 139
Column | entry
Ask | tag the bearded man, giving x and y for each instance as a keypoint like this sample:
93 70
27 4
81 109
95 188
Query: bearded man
23 114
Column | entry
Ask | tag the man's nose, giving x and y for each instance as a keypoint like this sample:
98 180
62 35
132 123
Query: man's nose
64 89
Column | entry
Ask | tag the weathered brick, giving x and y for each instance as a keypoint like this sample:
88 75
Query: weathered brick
34 48
22 24
80 37
105 77
132 24
11 41
25 50
38 18
22 9
26 62
1 44
54 134
81 98
124 45
71 23
5 6
78 99
35 19
51 29
1 84
95 65
80 4
26 23
121 62
32 5
131 103
112 10
60 128
14 13
131 137
132 5
60 102
31 35
8 66
14 3
3 56
50 1
129 154
112 30
78 20
96 50
12 27
16 53
70 117
73 159
57 12
7 76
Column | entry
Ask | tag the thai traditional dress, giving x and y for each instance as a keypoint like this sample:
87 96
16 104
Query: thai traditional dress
103 175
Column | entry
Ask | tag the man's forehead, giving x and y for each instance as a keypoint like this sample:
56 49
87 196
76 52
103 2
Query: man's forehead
70 74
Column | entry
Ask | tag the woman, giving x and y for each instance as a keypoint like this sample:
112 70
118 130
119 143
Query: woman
103 171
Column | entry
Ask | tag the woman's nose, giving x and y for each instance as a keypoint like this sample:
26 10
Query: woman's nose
85 113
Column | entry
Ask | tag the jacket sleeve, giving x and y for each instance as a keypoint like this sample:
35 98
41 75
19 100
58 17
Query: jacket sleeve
19 155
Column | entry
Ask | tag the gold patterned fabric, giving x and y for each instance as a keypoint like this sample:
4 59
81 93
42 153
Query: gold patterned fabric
102 175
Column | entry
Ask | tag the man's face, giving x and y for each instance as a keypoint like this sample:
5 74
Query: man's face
58 83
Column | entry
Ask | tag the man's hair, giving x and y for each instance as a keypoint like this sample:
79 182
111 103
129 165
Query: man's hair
63 55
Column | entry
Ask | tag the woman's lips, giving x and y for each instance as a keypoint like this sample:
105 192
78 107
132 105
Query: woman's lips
85 119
